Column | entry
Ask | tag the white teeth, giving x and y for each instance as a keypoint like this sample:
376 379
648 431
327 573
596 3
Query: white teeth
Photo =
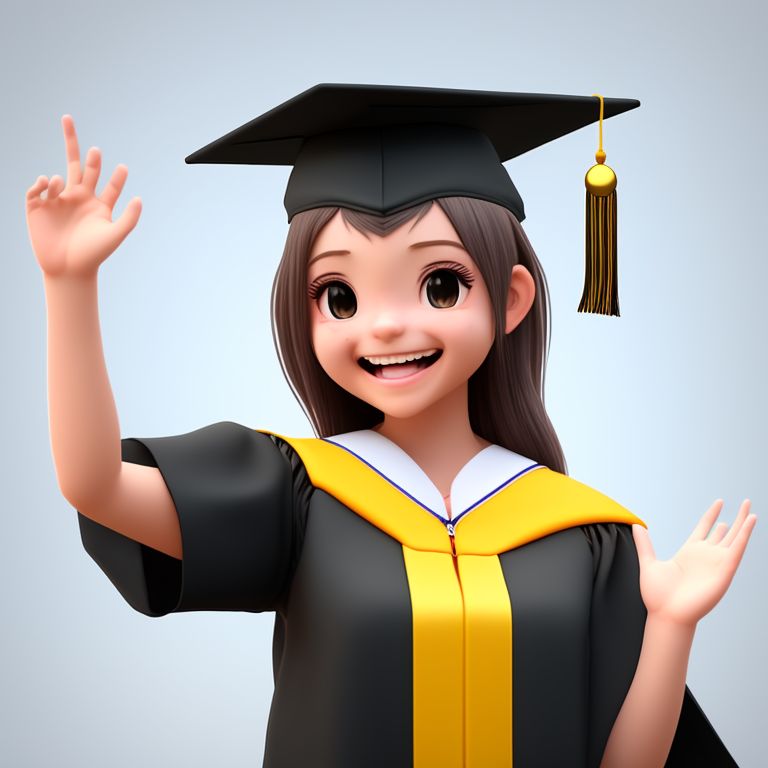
398 359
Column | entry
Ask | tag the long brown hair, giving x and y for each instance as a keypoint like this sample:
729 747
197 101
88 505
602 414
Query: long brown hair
506 404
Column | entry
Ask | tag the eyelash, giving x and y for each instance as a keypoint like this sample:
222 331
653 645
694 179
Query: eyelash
317 286
466 278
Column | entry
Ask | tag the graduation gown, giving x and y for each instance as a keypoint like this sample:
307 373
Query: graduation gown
507 635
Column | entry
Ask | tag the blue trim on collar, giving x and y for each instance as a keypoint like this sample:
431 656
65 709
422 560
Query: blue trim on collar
445 521
389 480
498 488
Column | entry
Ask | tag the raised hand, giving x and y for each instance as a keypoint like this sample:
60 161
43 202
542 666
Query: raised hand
71 229
687 587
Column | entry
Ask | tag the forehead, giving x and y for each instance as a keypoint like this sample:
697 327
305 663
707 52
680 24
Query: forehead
338 235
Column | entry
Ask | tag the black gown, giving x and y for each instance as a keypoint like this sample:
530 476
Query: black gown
263 530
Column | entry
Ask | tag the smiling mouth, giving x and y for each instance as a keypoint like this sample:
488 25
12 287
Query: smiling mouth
399 366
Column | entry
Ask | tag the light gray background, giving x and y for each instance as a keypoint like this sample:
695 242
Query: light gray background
662 409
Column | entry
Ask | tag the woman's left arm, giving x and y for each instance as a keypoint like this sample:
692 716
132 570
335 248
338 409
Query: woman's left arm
677 593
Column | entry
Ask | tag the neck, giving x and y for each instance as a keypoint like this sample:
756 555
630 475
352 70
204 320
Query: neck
440 439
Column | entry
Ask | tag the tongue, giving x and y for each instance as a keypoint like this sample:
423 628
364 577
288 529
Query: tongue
397 371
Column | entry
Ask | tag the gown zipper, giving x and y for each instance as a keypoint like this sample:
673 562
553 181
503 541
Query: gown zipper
452 536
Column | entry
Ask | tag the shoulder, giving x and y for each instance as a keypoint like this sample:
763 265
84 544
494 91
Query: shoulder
555 495
324 459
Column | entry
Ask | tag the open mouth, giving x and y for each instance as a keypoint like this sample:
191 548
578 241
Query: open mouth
399 366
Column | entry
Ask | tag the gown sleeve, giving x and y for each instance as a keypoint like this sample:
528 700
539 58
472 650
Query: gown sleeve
617 623
233 492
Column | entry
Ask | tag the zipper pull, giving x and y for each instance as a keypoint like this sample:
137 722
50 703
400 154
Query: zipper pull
452 533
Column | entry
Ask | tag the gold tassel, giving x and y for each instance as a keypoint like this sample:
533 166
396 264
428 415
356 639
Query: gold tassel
601 291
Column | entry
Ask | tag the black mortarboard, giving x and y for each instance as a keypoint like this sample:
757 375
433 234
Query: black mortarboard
380 149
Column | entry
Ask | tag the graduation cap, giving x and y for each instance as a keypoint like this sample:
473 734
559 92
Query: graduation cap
380 149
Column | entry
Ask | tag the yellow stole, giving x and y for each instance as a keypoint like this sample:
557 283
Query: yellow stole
462 617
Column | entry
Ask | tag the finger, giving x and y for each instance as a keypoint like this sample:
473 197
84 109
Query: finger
127 221
114 187
37 188
643 544
707 521
737 523
55 187
717 534
736 550
73 150
33 193
92 168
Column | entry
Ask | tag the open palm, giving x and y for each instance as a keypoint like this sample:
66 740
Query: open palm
71 229
687 587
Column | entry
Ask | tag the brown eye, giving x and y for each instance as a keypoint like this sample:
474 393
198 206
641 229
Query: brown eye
338 301
443 288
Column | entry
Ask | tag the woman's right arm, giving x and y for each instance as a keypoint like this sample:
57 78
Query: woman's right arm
72 233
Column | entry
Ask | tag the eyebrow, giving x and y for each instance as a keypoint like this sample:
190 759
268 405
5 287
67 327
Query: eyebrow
424 244
327 253
427 243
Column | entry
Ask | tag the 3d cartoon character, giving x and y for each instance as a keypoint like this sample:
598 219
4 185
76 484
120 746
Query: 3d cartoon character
444 594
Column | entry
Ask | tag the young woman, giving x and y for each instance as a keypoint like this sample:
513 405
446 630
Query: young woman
444 593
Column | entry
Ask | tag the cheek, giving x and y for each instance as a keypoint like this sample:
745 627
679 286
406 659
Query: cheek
469 332
471 346
468 337
332 344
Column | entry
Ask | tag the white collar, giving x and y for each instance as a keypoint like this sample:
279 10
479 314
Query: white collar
486 473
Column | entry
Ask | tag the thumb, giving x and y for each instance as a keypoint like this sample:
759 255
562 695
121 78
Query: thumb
127 220
645 551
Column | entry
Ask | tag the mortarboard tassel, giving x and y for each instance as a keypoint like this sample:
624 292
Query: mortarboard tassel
601 292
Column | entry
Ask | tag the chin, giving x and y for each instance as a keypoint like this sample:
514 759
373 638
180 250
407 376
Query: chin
400 413
403 410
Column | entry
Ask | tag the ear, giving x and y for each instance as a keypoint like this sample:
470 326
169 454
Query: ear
520 296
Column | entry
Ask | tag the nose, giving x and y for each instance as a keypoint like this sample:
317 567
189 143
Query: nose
387 325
